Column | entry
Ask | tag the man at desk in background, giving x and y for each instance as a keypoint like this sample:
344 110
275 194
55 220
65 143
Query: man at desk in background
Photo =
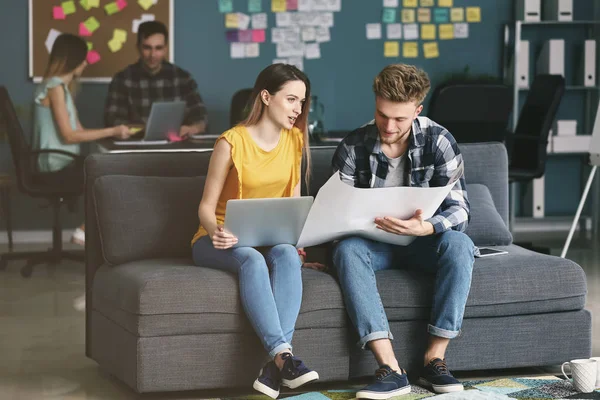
134 89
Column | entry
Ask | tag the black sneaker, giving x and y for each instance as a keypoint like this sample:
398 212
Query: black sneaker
436 375
268 380
388 383
295 373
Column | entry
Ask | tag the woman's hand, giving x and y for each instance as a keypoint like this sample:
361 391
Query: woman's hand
221 239
121 132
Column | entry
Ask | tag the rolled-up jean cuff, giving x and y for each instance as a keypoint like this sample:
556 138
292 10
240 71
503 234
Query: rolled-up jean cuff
279 349
435 331
362 343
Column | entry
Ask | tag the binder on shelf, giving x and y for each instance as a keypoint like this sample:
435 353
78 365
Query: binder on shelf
522 68
528 10
588 64
558 10
552 58
565 127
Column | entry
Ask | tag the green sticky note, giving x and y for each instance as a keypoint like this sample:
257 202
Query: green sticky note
93 3
254 6
389 15
440 15
85 5
90 45
91 24
111 8
68 7
225 6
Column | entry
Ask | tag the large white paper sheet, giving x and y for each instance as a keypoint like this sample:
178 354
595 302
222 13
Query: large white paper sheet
341 210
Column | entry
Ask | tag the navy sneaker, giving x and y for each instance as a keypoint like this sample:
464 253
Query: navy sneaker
268 380
295 373
436 375
388 383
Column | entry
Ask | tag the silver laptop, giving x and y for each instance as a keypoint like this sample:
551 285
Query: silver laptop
165 117
267 222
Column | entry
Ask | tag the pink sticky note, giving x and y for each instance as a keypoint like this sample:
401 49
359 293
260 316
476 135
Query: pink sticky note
93 57
258 35
121 4
173 137
245 35
83 30
292 5
58 13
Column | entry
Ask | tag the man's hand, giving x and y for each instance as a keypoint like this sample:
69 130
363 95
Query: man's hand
414 226
188 130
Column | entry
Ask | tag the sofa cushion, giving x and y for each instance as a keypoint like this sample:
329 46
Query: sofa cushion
486 227
170 296
145 216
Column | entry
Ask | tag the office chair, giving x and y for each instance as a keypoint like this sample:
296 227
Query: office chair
238 110
473 111
527 145
39 185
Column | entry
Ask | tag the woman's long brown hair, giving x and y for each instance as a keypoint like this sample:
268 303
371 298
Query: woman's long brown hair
68 52
272 80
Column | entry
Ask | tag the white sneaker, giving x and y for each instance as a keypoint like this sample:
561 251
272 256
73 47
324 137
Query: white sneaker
78 237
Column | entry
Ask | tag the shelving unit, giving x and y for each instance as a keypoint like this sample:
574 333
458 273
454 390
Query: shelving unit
592 96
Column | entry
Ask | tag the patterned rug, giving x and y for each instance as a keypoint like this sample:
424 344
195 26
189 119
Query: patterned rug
544 387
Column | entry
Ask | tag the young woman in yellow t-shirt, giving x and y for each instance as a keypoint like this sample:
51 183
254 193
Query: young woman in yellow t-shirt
262 157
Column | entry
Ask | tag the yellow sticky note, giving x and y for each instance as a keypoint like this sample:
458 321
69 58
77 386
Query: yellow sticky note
473 14
68 7
85 4
90 45
457 14
426 3
231 20
391 49
146 4
114 45
428 32
410 49
120 35
424 15
408 16
445 3
431 50
278 5
93 3
409 3
446 31
111 8
134 129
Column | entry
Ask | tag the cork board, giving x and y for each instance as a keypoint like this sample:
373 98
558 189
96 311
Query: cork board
42 23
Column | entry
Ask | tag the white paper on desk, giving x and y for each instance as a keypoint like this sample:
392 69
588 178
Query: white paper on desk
340 210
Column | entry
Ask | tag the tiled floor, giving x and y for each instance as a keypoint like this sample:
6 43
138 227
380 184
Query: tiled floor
42 335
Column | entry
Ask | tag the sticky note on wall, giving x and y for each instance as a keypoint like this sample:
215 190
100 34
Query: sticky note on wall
473 14
457 14
446 31
391 49
408 16
231 20
440 15
58 12
146 4
409 3
254 6
410 50
278 5
225 6
424 15
92 24
92 57
426 3
428 32
388 16
431 50
68 7
445 3
111 8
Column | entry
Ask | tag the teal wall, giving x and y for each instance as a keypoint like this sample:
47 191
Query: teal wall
341 78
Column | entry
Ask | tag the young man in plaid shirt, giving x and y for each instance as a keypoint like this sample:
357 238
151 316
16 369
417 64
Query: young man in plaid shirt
134 89
401 149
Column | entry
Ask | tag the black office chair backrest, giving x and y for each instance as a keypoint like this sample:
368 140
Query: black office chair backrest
473 111
530 140
239 106
20 148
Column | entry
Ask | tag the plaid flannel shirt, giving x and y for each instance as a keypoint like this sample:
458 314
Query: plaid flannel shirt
433 155
133 90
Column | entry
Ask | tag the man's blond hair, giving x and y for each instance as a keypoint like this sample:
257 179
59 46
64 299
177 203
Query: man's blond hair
402 83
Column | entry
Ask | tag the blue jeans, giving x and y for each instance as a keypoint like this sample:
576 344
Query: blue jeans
449 255
270 287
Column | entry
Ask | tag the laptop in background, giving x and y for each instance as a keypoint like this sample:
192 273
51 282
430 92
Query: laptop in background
267 222
165 117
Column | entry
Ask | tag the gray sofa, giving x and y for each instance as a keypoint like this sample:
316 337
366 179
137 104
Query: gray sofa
158 323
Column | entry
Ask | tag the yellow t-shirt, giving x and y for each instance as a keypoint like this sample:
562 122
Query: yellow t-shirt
257 173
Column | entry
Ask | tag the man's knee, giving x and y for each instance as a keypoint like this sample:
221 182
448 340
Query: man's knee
348 251
460 246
